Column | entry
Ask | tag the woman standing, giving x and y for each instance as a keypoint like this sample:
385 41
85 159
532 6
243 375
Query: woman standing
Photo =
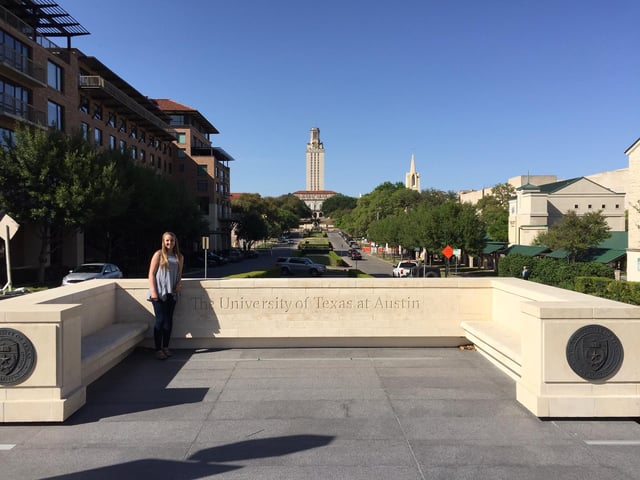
165 275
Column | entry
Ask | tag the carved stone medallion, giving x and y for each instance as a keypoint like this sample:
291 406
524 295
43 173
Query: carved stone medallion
17 357
594 352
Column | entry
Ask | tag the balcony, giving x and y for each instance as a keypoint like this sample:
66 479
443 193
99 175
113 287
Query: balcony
21 69
202 151
19 110
94 82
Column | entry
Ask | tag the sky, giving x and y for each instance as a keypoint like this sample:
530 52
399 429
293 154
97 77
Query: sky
478 91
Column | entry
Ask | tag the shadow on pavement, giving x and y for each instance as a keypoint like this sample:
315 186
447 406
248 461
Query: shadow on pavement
205 462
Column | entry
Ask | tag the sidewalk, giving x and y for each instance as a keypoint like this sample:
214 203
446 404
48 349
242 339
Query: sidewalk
364 414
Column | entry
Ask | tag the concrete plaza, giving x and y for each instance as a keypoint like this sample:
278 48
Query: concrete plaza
326 413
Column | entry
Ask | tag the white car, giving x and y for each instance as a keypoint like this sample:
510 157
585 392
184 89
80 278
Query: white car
412 268
88 271
405 268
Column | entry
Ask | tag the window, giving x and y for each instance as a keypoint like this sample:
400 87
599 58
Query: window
182 153
176 120
575 206
112 120
589 206
54 76
143 137
84 105
617 205
152 160
55 115
97 112
123 146
97 136
143 156
6 137
134 132
134 153
181 167
202 170
84 127
15 53
604 206
14 99
202 186
123 126
182 137
112 142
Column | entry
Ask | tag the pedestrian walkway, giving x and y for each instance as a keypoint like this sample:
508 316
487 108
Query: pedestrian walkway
274 414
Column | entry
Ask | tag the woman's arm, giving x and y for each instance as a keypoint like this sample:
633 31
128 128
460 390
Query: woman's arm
153 268
180 266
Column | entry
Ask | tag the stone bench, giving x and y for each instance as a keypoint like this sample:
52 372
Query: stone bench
501 344
102 350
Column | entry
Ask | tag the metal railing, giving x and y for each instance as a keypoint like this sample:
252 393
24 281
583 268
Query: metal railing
26 29
97 82
21 63
16 108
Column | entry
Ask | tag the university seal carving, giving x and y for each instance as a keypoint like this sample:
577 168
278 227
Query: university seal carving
17 357
594 352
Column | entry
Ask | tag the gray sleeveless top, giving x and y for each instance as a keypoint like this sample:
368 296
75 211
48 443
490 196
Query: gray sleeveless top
167 278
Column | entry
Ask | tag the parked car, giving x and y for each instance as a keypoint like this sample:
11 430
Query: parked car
300 265
88 271
213 260
355 255
413 268
405 268
235 255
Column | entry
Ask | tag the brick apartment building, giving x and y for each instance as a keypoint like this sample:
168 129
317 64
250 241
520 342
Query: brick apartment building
49 86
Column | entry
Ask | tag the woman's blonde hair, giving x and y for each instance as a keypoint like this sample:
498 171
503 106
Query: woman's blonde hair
164 252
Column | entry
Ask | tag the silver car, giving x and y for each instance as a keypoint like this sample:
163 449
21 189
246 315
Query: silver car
304 265
88 271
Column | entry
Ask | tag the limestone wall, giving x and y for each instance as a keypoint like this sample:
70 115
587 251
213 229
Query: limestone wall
536 322
318 311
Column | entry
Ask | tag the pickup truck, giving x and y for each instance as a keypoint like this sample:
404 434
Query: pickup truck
412 268
297 265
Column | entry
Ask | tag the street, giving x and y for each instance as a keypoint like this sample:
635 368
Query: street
267 258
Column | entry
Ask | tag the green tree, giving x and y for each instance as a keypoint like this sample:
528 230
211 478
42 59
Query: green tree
387 199
576 234
292 204
338 205
253 227
436 197
53 181
127 229
495 216
450 223
503 192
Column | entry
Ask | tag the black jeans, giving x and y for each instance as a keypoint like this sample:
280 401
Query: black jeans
164 321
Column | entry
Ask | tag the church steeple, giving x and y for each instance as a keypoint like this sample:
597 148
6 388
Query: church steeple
412 178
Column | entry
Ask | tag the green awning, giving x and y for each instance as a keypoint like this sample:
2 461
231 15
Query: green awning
602 255
561 253
527 250
492 247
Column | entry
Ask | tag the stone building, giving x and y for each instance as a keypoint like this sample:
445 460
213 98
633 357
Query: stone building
633 194
315 162
315 194
535 208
